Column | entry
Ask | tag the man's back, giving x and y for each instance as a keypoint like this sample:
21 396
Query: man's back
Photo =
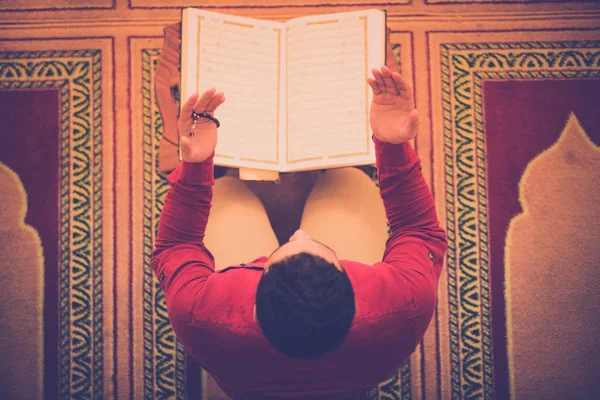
225 337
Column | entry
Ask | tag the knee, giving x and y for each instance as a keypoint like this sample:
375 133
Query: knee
230 188
346 174
226 180
341 171
229 183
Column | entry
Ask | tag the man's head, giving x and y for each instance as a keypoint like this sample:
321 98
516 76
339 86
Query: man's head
304 300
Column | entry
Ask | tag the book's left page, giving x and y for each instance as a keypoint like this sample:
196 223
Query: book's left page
241 57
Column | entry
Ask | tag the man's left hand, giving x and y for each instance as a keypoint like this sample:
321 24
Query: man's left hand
198 143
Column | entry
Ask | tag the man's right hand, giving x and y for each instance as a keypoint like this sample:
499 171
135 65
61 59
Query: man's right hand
393 118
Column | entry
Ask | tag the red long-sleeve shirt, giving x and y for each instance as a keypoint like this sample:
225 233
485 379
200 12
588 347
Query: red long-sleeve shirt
212 312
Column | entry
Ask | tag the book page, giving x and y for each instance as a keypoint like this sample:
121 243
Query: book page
241 57
328 60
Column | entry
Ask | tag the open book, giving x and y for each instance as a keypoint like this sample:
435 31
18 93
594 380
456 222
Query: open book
297 94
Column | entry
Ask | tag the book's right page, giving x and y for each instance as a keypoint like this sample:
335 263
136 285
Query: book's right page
328 59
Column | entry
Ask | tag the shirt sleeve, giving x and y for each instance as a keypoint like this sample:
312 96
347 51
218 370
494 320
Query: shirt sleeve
180 260
417 243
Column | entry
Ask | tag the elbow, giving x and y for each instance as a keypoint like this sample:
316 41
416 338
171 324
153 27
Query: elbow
155 260
426 300
159 256
438 235
439 244
156 254
443 239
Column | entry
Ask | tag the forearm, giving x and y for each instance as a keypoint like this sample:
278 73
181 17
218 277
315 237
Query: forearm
180 261
187 206
408 202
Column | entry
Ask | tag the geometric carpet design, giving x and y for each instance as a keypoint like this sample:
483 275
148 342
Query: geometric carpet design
73 314
164 357
478 349
508 94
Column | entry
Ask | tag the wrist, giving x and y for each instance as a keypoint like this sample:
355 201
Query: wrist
389 139
382 142
393 154
197 172
197 156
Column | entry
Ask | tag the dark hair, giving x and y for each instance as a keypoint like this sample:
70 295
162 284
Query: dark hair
305 306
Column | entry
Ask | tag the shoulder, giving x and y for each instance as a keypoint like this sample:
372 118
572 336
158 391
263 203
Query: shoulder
378 290
228 297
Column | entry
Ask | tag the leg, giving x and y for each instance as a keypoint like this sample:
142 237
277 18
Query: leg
238 228
345 212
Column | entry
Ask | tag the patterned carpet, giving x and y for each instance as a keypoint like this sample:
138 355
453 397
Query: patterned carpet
503 104
510 145
58 158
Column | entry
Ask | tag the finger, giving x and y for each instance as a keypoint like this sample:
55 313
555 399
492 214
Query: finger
391 63
400 82
379 79
219 103
187 108
413 124
405 90
214 102
202 102
390 86
374 86
213 107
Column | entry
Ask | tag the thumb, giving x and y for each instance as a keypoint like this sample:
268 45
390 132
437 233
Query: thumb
413 123
184 142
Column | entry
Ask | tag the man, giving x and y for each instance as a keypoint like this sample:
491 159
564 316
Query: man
314 320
